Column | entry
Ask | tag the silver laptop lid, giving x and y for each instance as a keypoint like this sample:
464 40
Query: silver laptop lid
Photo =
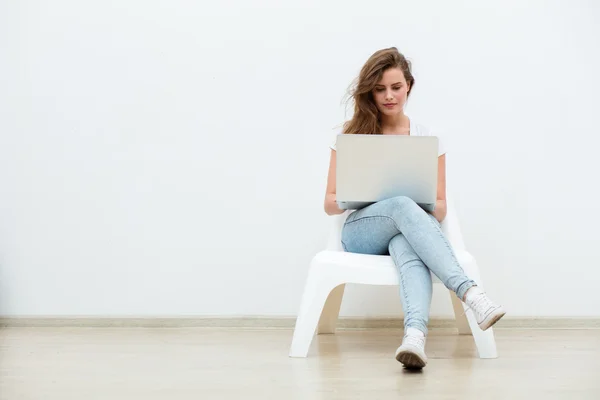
372 168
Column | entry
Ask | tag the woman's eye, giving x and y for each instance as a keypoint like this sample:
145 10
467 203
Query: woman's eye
397 88
379 89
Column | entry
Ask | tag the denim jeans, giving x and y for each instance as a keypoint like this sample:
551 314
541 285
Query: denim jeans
414 239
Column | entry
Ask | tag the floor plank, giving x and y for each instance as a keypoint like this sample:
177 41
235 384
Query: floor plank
209 363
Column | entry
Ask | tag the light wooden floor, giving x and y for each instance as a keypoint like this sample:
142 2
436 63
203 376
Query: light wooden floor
204 363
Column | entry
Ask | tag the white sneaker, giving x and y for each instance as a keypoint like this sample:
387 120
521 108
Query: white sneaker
486 312
412 351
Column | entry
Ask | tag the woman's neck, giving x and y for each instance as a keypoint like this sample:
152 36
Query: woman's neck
398 124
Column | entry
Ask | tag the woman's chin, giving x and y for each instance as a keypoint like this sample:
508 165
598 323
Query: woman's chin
390 113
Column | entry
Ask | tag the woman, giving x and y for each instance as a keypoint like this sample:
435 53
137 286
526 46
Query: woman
398 226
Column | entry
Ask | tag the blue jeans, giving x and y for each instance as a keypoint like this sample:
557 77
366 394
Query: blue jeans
414 239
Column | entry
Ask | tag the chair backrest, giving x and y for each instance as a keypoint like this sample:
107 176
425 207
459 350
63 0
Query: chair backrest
450 227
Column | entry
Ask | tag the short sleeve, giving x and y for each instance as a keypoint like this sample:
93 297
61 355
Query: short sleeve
332 146
422 130
441 146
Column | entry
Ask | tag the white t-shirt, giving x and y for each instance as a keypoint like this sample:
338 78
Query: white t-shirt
414 130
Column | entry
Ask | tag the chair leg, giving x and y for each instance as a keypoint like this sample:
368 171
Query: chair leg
459 313
315 294
331 311
485 342
466 324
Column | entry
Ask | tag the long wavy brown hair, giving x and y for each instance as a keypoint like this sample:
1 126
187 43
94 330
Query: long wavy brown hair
366 119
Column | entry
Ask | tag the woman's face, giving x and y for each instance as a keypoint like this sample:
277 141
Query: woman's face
391 92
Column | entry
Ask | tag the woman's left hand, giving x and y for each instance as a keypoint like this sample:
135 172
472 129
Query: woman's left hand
440 210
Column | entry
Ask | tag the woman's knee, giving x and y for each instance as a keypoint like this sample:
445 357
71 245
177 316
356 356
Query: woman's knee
403 201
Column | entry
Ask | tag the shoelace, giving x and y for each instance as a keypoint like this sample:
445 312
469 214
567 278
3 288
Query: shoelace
414 340
480 304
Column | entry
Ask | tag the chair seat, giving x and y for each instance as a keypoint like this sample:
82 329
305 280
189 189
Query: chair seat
355 266
331 269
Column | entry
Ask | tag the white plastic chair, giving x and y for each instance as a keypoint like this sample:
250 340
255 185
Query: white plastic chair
332 268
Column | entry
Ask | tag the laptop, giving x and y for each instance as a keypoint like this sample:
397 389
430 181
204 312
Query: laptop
371 168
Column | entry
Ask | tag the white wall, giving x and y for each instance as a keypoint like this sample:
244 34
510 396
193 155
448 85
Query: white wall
169 158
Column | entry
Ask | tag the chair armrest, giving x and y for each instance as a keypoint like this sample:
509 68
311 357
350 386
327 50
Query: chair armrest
451 228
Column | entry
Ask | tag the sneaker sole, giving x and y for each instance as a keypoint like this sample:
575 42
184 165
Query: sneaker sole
492 319
410 360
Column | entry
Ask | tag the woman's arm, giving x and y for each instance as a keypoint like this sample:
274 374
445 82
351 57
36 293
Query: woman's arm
440 205
331 207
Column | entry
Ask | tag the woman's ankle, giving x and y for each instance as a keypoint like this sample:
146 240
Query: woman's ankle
471 291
